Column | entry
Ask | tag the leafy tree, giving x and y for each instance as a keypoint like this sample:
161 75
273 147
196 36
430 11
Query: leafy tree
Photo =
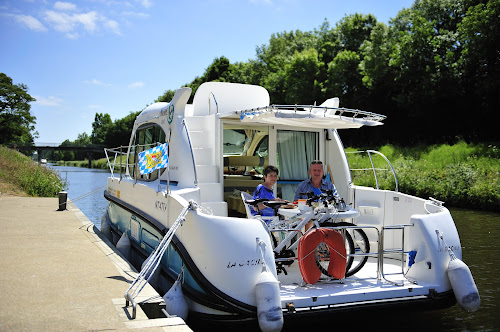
16 121
100 126
479 65
119 132
344 79
301 84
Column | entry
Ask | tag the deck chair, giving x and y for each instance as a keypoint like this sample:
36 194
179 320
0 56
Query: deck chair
248 208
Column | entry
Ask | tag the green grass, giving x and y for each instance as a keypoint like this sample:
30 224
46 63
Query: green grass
98 163
462 175
20 175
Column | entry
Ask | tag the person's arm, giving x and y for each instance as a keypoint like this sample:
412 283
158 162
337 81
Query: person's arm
299 190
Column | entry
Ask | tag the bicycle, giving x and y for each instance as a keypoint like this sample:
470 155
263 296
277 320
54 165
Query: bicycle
322 210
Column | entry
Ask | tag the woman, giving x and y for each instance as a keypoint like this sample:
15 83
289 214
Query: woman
265 190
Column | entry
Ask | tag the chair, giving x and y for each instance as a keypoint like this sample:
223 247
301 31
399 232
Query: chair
248 208
246 196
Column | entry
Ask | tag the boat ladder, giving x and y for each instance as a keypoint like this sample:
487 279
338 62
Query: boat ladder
154 261
387 251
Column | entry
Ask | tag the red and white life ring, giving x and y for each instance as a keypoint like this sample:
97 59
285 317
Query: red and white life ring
306 257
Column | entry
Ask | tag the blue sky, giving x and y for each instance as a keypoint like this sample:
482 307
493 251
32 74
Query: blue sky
82 57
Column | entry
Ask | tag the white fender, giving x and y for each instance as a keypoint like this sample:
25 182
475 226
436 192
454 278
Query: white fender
153 278
105 227
463 285
175 301
269 312
123 246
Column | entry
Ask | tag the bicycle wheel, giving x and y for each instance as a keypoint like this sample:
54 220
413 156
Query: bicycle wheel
322 255
361 245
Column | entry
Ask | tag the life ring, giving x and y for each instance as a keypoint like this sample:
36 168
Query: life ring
307 260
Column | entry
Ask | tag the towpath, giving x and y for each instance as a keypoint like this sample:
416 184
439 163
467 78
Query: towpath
60 274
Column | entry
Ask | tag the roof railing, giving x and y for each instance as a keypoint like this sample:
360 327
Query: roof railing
327 111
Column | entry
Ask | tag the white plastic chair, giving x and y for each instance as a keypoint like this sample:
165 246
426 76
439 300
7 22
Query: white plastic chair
248 208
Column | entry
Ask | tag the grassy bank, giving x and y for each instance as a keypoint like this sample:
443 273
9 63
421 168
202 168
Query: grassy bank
462 175
19 175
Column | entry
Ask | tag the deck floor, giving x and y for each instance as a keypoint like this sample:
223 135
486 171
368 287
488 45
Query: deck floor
361 287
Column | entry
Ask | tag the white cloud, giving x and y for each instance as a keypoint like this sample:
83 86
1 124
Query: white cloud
65 6
30 22
68 18
136 85
96 82
113 26
145 3
68 23
48 101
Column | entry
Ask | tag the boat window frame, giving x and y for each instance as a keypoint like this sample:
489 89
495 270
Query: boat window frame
158 137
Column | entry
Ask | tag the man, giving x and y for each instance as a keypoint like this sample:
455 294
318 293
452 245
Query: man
315 183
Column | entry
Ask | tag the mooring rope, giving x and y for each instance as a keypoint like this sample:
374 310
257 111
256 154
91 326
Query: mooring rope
93 191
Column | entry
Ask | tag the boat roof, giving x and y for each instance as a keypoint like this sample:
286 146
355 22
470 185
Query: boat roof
308 116
250 104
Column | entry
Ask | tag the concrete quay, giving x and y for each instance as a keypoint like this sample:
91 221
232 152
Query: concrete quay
59 273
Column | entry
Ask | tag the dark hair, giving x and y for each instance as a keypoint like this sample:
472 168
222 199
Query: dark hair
270 168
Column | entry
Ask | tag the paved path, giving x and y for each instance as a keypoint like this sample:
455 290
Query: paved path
58 274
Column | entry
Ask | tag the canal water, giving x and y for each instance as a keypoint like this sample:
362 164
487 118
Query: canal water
478 231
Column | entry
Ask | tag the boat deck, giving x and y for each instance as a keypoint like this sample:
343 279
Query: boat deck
361 288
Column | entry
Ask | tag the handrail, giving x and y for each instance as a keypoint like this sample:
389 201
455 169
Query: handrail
375 169
192 152
339 111
117 151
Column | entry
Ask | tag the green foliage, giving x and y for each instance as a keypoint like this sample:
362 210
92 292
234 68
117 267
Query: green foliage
16 120
18 170
462 174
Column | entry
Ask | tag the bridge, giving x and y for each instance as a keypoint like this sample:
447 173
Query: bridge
39 147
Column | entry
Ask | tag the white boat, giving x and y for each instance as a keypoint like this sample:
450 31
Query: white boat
394 249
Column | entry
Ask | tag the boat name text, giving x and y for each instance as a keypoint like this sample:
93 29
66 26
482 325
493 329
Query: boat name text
159 205
250 262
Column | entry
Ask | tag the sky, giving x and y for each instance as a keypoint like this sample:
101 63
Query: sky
79 58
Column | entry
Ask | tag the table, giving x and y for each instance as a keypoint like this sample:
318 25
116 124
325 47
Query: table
352 213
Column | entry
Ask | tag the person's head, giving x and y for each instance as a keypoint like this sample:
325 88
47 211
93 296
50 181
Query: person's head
270 175
316 170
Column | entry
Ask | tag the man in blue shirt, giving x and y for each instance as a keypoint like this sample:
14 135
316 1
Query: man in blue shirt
315 183
265 190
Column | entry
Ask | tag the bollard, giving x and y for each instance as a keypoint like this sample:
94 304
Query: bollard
63 197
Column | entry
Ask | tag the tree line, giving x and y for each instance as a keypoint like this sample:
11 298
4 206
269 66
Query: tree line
433 70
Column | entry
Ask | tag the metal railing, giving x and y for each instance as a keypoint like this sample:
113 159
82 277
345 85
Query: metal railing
374 169
327 111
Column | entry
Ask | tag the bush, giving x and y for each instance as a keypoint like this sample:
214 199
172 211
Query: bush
463 175
21 172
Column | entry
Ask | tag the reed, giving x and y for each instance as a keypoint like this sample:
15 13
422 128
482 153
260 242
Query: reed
21 175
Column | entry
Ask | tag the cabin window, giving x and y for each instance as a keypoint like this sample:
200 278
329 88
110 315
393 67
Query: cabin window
246 153
146 137
295 150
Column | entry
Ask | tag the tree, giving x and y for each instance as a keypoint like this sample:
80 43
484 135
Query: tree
100 126
16 121
301 84
479 65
